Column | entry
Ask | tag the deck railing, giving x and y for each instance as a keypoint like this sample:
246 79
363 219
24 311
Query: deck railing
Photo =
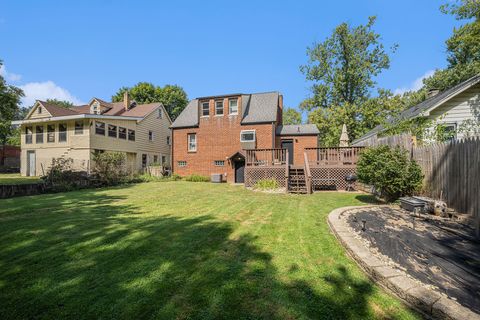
308 173
334 157
266 157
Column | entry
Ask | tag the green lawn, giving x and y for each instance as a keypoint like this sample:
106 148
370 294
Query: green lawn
178 250
16 178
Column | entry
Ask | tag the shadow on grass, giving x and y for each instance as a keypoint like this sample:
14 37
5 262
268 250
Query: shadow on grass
368 198
90 255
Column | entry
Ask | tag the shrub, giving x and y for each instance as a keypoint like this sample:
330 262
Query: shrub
109 168
197 178
61 177
389 171
149 178
266 184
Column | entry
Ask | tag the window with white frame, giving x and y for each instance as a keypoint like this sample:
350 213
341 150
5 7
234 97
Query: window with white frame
39 109
450 131
247 136
78 127
233 106
168 140
182 163
62 132
219 163
205 109
122 133
150 135
192 142
112 131
160 113
219 107
100 128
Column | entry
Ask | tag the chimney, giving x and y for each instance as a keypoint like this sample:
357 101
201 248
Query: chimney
280 110
432 93
126 101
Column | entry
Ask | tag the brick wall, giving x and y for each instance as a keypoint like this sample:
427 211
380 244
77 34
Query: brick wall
299 144
218 137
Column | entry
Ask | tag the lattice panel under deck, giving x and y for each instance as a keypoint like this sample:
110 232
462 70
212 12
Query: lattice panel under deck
254 174
324 178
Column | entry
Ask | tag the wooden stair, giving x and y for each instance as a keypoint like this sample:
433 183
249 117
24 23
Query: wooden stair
296 180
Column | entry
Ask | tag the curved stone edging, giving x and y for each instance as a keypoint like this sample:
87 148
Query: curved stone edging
428 301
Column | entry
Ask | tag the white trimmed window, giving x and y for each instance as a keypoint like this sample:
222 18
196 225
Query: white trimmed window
100 128
247 136
205 109
150 135
219 163
160 113
233 106
219 107
182 163
192 142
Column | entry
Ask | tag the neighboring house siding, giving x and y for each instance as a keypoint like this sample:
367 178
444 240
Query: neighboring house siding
465 106
76 146
43 114
161 130
80 147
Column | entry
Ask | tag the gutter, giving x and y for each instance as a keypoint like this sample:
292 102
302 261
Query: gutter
74 117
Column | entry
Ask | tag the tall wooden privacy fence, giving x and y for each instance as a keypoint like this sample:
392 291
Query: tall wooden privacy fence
405 141
451 169
452 173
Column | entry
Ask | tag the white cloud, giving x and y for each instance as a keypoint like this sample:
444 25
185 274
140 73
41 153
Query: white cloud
415 85
46 90
8 75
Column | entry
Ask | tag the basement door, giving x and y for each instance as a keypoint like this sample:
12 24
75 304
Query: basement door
31 164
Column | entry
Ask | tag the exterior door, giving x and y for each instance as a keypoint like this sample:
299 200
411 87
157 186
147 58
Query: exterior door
288 144
240 171
31 164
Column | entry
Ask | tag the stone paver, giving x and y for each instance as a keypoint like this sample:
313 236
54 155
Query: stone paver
426 300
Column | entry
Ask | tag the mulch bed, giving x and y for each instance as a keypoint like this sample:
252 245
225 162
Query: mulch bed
444 254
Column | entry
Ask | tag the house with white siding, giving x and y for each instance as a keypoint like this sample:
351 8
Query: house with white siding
140 131
456 109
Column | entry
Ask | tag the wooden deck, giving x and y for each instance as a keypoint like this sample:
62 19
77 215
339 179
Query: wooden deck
323 168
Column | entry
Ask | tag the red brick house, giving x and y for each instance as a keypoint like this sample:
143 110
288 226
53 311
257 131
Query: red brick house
211 135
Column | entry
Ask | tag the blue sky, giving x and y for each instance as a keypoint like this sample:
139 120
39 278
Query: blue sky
80 49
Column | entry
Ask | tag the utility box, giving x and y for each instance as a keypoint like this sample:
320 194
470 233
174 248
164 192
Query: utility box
216 178
412 204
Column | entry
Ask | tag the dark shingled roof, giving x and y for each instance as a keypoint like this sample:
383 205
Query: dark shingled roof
297 130
428 104
256 108
57 111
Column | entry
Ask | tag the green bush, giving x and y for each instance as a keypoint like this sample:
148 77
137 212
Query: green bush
197 178
389 171
110 168
266 184
61 177
149 178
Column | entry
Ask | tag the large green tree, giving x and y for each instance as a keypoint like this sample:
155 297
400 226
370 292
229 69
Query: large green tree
292 116
343 70
9 107
173 97
463 47
61 103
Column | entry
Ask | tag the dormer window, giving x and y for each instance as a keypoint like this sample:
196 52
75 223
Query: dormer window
95 108
219 108
39 109
205 109
233 106
160 113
